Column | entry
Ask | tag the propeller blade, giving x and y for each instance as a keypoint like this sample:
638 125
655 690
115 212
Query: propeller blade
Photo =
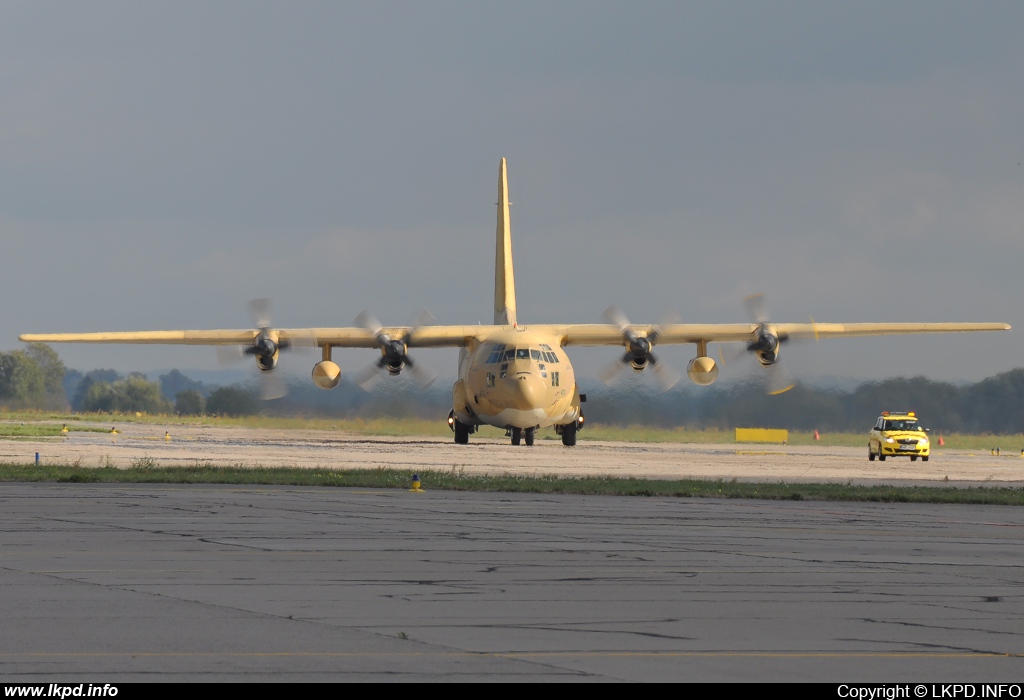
756 308
369 322
259 310
732 356
779 380
229 355
272 386
424 376
666 375
667 318
615 316
368 377
610 372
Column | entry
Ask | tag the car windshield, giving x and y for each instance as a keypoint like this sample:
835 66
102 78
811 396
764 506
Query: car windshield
902 425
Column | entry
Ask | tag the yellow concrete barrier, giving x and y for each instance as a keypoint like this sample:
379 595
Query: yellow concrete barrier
762 435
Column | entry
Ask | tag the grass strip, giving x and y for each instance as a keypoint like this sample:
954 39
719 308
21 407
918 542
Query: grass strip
409 427
34 430
453 480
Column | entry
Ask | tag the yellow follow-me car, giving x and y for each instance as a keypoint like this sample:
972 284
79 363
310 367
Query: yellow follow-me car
898 435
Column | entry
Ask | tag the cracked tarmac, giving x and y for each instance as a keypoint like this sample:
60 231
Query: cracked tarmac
117 583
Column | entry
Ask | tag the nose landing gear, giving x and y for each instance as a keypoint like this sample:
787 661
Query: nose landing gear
519 435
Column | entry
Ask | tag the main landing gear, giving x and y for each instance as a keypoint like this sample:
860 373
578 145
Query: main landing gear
460 429
569 434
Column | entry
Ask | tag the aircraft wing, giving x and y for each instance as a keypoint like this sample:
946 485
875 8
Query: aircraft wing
836 330
676 333
583 334
353 337
222 337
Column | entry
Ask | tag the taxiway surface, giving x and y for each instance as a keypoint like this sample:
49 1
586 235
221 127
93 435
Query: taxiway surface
108 583
113 583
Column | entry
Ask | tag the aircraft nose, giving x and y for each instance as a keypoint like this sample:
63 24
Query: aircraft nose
526 391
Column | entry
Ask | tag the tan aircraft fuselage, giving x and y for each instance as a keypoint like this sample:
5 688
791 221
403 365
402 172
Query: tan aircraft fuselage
516 378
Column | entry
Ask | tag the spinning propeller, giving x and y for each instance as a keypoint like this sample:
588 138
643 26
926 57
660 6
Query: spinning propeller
394 352
265 348
639 352
765 346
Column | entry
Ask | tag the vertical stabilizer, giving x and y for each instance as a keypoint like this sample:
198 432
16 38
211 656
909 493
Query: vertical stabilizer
504 280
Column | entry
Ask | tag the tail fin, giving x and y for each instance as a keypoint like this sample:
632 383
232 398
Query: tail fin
504 279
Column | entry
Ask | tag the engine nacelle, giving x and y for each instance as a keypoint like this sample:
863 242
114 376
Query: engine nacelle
765 346
394 354
267 362
638 352
702 371
326 374
767 357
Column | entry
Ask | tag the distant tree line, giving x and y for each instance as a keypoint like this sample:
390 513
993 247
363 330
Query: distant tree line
32 378
106 391
993 405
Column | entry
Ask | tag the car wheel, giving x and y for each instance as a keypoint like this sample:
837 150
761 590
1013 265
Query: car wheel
871 455
913 458
924 459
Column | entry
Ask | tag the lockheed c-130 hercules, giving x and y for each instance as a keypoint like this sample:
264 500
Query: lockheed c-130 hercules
512 376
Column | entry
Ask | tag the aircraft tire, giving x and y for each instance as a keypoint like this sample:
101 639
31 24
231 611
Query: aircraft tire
461 433
517 436
529 434
569 434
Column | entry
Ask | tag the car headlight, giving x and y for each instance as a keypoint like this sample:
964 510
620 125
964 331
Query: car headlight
888 439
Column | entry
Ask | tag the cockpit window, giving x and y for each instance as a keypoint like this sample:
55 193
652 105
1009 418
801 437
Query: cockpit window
496 354
499 353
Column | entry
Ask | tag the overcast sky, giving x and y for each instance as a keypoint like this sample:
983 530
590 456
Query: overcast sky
163 163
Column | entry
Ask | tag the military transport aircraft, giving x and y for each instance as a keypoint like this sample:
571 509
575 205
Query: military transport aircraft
513 376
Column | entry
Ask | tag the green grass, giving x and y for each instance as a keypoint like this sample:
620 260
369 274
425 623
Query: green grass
454 480
36 430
